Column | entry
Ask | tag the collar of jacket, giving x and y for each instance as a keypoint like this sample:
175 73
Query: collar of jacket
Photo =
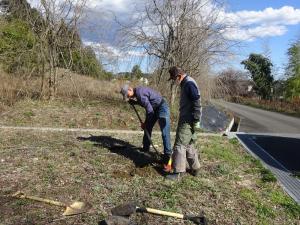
184 80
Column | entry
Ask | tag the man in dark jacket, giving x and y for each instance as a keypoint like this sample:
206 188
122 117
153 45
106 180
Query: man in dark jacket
188 124
156 109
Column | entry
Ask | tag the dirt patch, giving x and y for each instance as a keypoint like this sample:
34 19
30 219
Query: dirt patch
146 171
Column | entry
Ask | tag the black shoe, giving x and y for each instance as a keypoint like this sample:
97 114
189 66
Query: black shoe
145 150
195 173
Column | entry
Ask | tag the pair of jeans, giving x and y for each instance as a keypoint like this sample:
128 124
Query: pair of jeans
162 115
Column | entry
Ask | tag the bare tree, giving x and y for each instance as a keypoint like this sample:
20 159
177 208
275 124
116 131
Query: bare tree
231 83
57 36
186 33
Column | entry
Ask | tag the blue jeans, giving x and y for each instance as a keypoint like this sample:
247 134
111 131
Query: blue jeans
162 114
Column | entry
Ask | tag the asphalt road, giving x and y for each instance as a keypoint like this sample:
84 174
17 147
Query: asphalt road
261 121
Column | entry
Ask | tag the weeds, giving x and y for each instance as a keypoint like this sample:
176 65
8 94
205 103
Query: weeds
234 141
263 210
28 114
267 175
291 207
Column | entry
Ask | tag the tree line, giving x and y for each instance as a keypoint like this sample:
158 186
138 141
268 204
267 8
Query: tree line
260 71
36 42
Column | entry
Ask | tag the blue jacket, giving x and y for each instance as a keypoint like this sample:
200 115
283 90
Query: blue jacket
147 98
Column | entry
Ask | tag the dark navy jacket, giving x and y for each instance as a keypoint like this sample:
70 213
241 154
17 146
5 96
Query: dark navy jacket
190 101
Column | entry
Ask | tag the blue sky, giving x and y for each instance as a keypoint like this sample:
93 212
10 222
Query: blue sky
260 25
277 44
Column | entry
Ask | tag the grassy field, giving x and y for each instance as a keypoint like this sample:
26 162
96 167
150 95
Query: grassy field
106 171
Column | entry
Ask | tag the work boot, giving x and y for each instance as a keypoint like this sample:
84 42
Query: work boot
145 150
174 176
195 173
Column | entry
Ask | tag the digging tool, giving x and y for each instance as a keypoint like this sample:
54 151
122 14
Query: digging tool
128 209
73 209
146 131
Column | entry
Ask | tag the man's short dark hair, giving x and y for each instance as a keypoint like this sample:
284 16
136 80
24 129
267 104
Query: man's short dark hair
175 71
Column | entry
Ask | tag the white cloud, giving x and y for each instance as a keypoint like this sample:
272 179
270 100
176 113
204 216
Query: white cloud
108 51
244 25
249 25
114 5
286 15
250 34
34 3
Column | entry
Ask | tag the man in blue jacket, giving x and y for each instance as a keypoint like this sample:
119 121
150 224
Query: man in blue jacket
157 109
188 124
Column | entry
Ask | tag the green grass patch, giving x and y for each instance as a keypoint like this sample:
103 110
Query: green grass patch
267 175
169 195
220 151
28 114
290 206
263 210
234 141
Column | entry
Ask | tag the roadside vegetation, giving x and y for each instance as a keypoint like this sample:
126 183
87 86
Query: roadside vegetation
291 108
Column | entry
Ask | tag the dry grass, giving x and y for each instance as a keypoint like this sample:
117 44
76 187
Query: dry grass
110 170
81 102
101 114
14 88
70 85
101 105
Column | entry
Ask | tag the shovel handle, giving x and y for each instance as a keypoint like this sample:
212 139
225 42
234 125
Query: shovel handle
164 213
146 131
52 202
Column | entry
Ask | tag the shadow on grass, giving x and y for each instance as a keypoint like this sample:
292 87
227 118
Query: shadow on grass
124 148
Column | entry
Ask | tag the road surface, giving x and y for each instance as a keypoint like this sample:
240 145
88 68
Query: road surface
255 120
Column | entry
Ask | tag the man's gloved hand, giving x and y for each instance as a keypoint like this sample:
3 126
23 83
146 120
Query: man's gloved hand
132 101
197 126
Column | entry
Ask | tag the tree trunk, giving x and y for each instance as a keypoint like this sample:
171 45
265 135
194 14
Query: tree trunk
174 89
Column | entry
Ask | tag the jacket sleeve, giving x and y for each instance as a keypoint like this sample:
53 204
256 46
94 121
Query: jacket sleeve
143 100
147 105
194 96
